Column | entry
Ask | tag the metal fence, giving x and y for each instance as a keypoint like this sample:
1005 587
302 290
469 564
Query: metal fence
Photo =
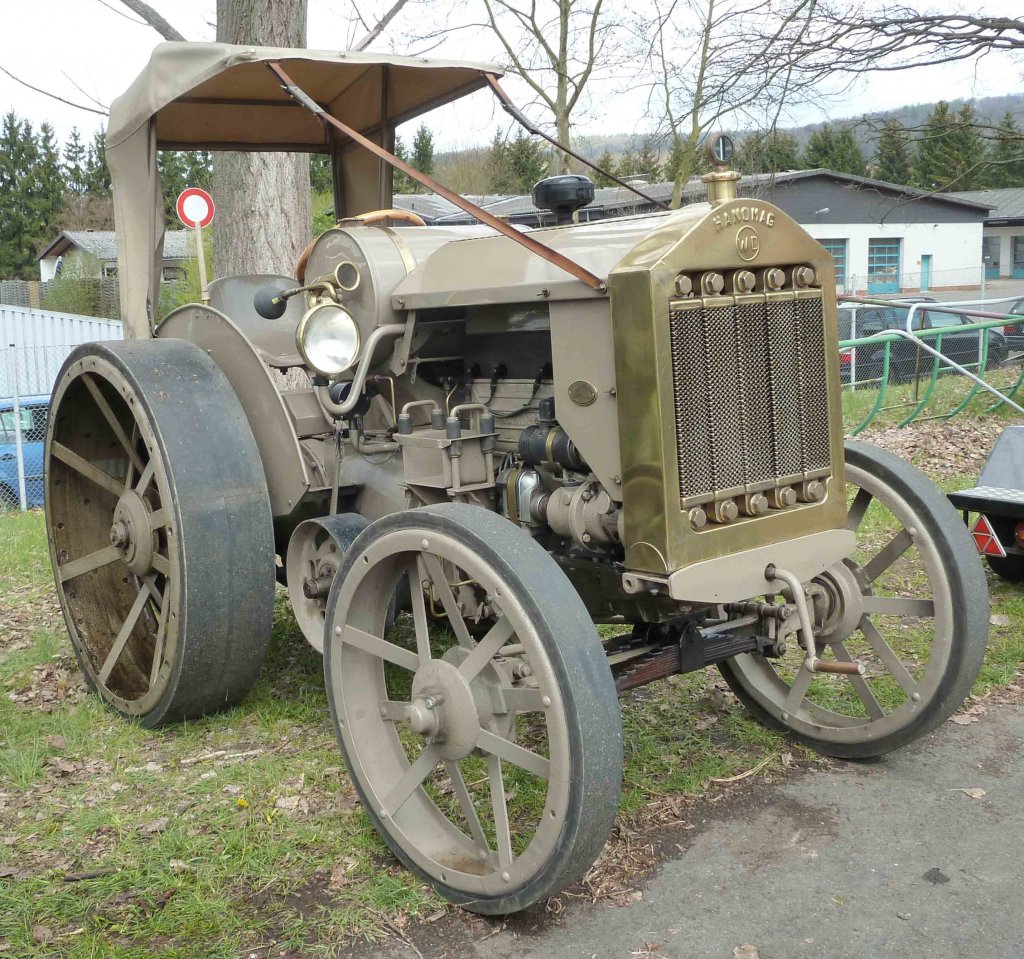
33 345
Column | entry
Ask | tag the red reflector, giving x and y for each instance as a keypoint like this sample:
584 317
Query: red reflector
985 538
846 357
1010 328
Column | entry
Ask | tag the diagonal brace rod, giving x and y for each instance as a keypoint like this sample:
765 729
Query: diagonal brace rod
523 239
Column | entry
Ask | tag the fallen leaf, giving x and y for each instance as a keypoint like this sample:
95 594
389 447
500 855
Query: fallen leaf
292 804
233 789
963 719
6 872
156 826
787 760
42 934
975 792
57 742
999 619
746 951
177 866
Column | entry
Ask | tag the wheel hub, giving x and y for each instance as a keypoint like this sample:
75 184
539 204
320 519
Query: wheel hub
839 604
133 534
443 709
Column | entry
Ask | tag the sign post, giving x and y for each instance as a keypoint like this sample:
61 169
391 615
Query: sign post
195 209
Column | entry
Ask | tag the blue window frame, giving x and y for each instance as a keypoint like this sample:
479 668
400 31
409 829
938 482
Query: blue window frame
837 248
884 265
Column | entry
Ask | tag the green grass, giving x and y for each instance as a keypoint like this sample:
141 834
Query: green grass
230 870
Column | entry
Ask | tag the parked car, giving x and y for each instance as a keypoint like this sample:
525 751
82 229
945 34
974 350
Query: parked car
906 359
31 416
1014 332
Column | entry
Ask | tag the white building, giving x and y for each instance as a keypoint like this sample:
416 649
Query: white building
102 246
1004 231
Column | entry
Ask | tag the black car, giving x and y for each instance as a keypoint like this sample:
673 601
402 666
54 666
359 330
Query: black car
1014 332
907 359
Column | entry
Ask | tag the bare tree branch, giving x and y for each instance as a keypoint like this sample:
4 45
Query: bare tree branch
151 17
381 25
52 96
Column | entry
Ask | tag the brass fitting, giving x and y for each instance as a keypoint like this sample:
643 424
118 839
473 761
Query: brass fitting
774 278
782 497
711 284
743 281
811 491
684 285
804 276
723 511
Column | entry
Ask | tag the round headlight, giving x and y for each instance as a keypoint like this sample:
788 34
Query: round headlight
328 339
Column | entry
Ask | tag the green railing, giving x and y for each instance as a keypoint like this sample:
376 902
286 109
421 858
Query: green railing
929 363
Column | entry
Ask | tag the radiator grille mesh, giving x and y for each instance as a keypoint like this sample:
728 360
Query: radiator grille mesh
751 405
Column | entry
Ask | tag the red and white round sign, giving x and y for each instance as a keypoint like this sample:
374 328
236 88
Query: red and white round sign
195 207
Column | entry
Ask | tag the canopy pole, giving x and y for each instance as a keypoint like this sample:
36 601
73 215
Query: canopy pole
523 239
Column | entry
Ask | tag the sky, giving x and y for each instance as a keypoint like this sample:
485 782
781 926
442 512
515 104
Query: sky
99 46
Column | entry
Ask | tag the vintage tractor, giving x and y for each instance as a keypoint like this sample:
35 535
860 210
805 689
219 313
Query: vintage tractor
465 447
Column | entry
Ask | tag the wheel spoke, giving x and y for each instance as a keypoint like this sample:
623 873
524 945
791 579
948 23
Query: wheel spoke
82 466
419 610
898 606
523 699
435 572
889 659
392 711
858 508
859 683
86 564
158 518
147 474
112 420
797 692
380 648
501 827
468 807
486 649
161 564
158 649
517 755
888 555
411 779
126 630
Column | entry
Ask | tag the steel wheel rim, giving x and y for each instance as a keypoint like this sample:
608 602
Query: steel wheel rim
312 554
448 852
100 438
774 693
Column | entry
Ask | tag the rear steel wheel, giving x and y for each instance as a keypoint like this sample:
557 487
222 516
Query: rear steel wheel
315 552
159 527
492 768
911 606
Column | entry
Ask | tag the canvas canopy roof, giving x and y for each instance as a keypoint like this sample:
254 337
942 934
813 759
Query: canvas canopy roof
216 96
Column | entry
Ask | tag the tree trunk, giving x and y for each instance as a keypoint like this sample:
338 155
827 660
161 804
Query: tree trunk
264 217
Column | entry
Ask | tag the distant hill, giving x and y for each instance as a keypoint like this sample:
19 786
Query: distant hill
865 126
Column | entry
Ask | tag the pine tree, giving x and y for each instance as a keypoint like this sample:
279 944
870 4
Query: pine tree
832 149
1007 155
97 176
647 162
74 162
606 162
517 164
423 150
949 154
892 161
771 152
47 185
402 182
628 165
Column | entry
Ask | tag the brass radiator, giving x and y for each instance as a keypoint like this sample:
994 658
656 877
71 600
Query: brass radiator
751 404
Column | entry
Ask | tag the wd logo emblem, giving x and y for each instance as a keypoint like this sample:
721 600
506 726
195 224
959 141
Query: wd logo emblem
748 245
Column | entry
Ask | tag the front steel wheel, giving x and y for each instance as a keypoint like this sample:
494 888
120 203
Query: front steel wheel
492 768
159 527
910 605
